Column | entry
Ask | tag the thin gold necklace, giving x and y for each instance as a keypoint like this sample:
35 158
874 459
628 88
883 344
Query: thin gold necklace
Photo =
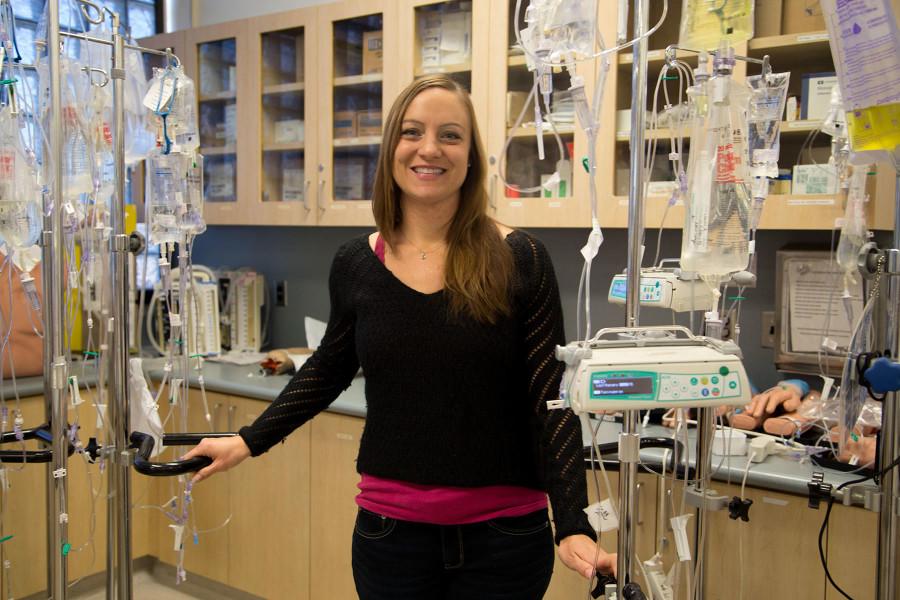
423 254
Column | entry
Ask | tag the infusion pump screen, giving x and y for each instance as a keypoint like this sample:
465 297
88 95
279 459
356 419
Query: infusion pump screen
611 386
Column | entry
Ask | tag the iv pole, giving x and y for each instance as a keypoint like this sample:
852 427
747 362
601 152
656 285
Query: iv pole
629 439
55 375
119 508
889 447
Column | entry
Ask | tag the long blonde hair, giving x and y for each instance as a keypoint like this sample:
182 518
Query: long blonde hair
479 263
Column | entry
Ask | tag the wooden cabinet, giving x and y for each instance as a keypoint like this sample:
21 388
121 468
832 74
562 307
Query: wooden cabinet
333 481
357 47
285 113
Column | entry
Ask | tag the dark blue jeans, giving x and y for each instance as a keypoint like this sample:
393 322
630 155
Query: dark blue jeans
507 558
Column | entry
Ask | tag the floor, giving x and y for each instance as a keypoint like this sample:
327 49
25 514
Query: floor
146 587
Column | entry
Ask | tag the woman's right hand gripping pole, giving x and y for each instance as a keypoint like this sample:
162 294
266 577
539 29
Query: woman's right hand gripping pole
225 453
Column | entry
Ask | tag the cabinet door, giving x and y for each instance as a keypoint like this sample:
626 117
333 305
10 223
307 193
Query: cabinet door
854 566
284 45
356 41
223 95
270 529
451 37
335 445
563 205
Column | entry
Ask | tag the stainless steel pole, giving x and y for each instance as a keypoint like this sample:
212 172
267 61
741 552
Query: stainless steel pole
118 328
705 424
889 528
58 548
628 466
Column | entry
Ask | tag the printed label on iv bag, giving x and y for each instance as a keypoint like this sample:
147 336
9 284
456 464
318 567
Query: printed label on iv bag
160 93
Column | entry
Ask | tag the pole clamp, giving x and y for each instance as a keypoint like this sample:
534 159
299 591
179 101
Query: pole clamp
46 239
629 447
119 243
58 378
867 496
705 499
117 73
59 473
126 457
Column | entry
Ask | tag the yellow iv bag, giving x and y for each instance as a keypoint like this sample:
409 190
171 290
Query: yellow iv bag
705 23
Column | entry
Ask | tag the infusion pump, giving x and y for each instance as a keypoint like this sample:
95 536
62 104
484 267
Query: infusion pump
663 288
638 373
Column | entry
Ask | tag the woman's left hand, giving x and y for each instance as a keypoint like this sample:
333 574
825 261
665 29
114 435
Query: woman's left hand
578 553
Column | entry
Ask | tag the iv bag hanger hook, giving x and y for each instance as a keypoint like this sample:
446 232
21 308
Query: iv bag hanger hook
90 73
671 54
92 12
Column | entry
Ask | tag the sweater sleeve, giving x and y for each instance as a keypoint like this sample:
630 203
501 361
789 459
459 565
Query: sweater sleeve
559 431
321 379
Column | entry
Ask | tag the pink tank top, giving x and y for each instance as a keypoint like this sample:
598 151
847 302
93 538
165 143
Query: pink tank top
444 505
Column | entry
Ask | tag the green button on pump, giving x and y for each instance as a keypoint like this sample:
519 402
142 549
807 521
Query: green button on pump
723 370
693 381
714 379
732 384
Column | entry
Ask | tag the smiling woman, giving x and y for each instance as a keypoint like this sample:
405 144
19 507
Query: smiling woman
454 319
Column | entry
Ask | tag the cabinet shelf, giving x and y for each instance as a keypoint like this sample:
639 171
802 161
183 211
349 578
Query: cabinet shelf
358 79
516 60
219 96
218 150
353 142
282 146
652 57
283 88
457 68
530 132
790 47
787 127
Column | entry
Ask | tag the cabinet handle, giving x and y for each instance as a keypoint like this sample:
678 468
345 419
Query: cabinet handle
231 417
216 407
306 195
319 195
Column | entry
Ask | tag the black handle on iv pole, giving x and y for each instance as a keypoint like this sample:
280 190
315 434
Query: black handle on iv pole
144 443
41 434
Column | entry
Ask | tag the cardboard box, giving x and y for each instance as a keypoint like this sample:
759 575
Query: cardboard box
767 18
368 122
818 179
801 16
515 101
345 124
815 95
289 130
373 52
349 178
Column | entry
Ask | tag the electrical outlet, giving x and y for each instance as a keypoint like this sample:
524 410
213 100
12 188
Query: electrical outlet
281 293
767 335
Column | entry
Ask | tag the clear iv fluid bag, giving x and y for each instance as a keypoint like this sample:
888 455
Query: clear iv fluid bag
706 23
76 156
20 215
176 197
854 232
716 235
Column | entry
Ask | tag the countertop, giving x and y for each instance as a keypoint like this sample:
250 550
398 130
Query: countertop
775 473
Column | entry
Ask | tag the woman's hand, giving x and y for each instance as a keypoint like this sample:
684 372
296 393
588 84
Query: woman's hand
578 552
225 453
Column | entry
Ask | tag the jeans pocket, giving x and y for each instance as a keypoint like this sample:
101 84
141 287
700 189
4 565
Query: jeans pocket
373 526
529 524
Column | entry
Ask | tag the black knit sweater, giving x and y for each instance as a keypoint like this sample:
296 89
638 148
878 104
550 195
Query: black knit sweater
450 401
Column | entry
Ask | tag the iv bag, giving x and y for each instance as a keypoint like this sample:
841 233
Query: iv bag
176 197
854 232
767 97
706 23
144 411
716 235
20 215
140 134
172 96
865 46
